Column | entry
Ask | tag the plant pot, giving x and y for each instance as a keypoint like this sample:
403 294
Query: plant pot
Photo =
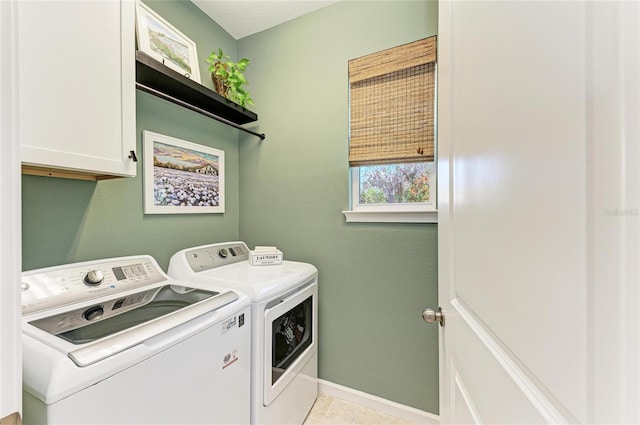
219 86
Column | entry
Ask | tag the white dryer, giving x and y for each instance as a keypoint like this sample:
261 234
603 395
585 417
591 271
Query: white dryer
116 341
284 300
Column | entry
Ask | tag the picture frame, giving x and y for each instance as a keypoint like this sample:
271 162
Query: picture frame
165 43
181 177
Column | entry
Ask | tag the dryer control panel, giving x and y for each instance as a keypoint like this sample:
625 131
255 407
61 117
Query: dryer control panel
53 287
216 255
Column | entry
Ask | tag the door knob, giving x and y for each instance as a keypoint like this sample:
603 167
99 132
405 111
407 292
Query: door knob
431 316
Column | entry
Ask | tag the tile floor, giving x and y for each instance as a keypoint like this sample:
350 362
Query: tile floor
333 411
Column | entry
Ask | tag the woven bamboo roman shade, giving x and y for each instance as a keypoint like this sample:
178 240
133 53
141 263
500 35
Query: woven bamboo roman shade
392 105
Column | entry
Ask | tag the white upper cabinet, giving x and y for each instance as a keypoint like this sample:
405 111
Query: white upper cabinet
76 80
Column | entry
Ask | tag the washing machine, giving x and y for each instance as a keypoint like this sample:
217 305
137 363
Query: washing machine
284 307
115 341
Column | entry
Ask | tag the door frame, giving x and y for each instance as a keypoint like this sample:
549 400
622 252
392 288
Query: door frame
10 221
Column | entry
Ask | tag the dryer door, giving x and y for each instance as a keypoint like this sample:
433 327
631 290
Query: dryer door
290 338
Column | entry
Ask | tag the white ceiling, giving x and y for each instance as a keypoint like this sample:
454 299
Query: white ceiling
241 18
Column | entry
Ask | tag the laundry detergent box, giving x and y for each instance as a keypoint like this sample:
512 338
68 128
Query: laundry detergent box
265 256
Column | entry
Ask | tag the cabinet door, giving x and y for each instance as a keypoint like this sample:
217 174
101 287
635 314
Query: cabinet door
77 85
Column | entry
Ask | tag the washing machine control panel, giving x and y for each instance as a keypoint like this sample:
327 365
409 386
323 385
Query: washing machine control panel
53 287
216 255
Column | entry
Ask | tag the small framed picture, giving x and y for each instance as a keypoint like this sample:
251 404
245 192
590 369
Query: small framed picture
181 177
163 42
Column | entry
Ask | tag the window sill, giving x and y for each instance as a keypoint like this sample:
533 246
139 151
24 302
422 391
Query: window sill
391 216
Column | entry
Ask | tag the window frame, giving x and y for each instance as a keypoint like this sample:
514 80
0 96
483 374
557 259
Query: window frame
412 212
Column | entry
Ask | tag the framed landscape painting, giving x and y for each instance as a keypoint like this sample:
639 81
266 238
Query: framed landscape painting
181 177
160 40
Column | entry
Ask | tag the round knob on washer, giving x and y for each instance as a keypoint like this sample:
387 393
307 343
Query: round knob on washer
93 278
93 313
223 253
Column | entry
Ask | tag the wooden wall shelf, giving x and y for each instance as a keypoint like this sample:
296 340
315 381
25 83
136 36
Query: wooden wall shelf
161 79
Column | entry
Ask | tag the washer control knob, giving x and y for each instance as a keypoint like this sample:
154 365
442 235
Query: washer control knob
93 313
93 278
224 253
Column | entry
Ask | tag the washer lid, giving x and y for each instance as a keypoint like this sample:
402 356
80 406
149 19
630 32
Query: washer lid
124 322
92 310
260 282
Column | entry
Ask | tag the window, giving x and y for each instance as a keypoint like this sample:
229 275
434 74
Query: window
392 134
393 193
410 184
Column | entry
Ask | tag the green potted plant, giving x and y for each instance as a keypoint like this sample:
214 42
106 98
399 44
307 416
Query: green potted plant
228 77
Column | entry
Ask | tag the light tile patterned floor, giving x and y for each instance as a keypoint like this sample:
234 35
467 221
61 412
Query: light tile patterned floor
333 411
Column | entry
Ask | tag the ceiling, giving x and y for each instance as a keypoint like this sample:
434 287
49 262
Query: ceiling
241 18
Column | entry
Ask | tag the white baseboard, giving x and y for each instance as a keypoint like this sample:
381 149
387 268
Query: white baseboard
388 407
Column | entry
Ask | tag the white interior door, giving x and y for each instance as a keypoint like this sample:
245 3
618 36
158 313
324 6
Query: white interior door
539 212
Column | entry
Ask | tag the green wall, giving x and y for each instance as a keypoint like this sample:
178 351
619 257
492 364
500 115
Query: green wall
375 279
288 190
